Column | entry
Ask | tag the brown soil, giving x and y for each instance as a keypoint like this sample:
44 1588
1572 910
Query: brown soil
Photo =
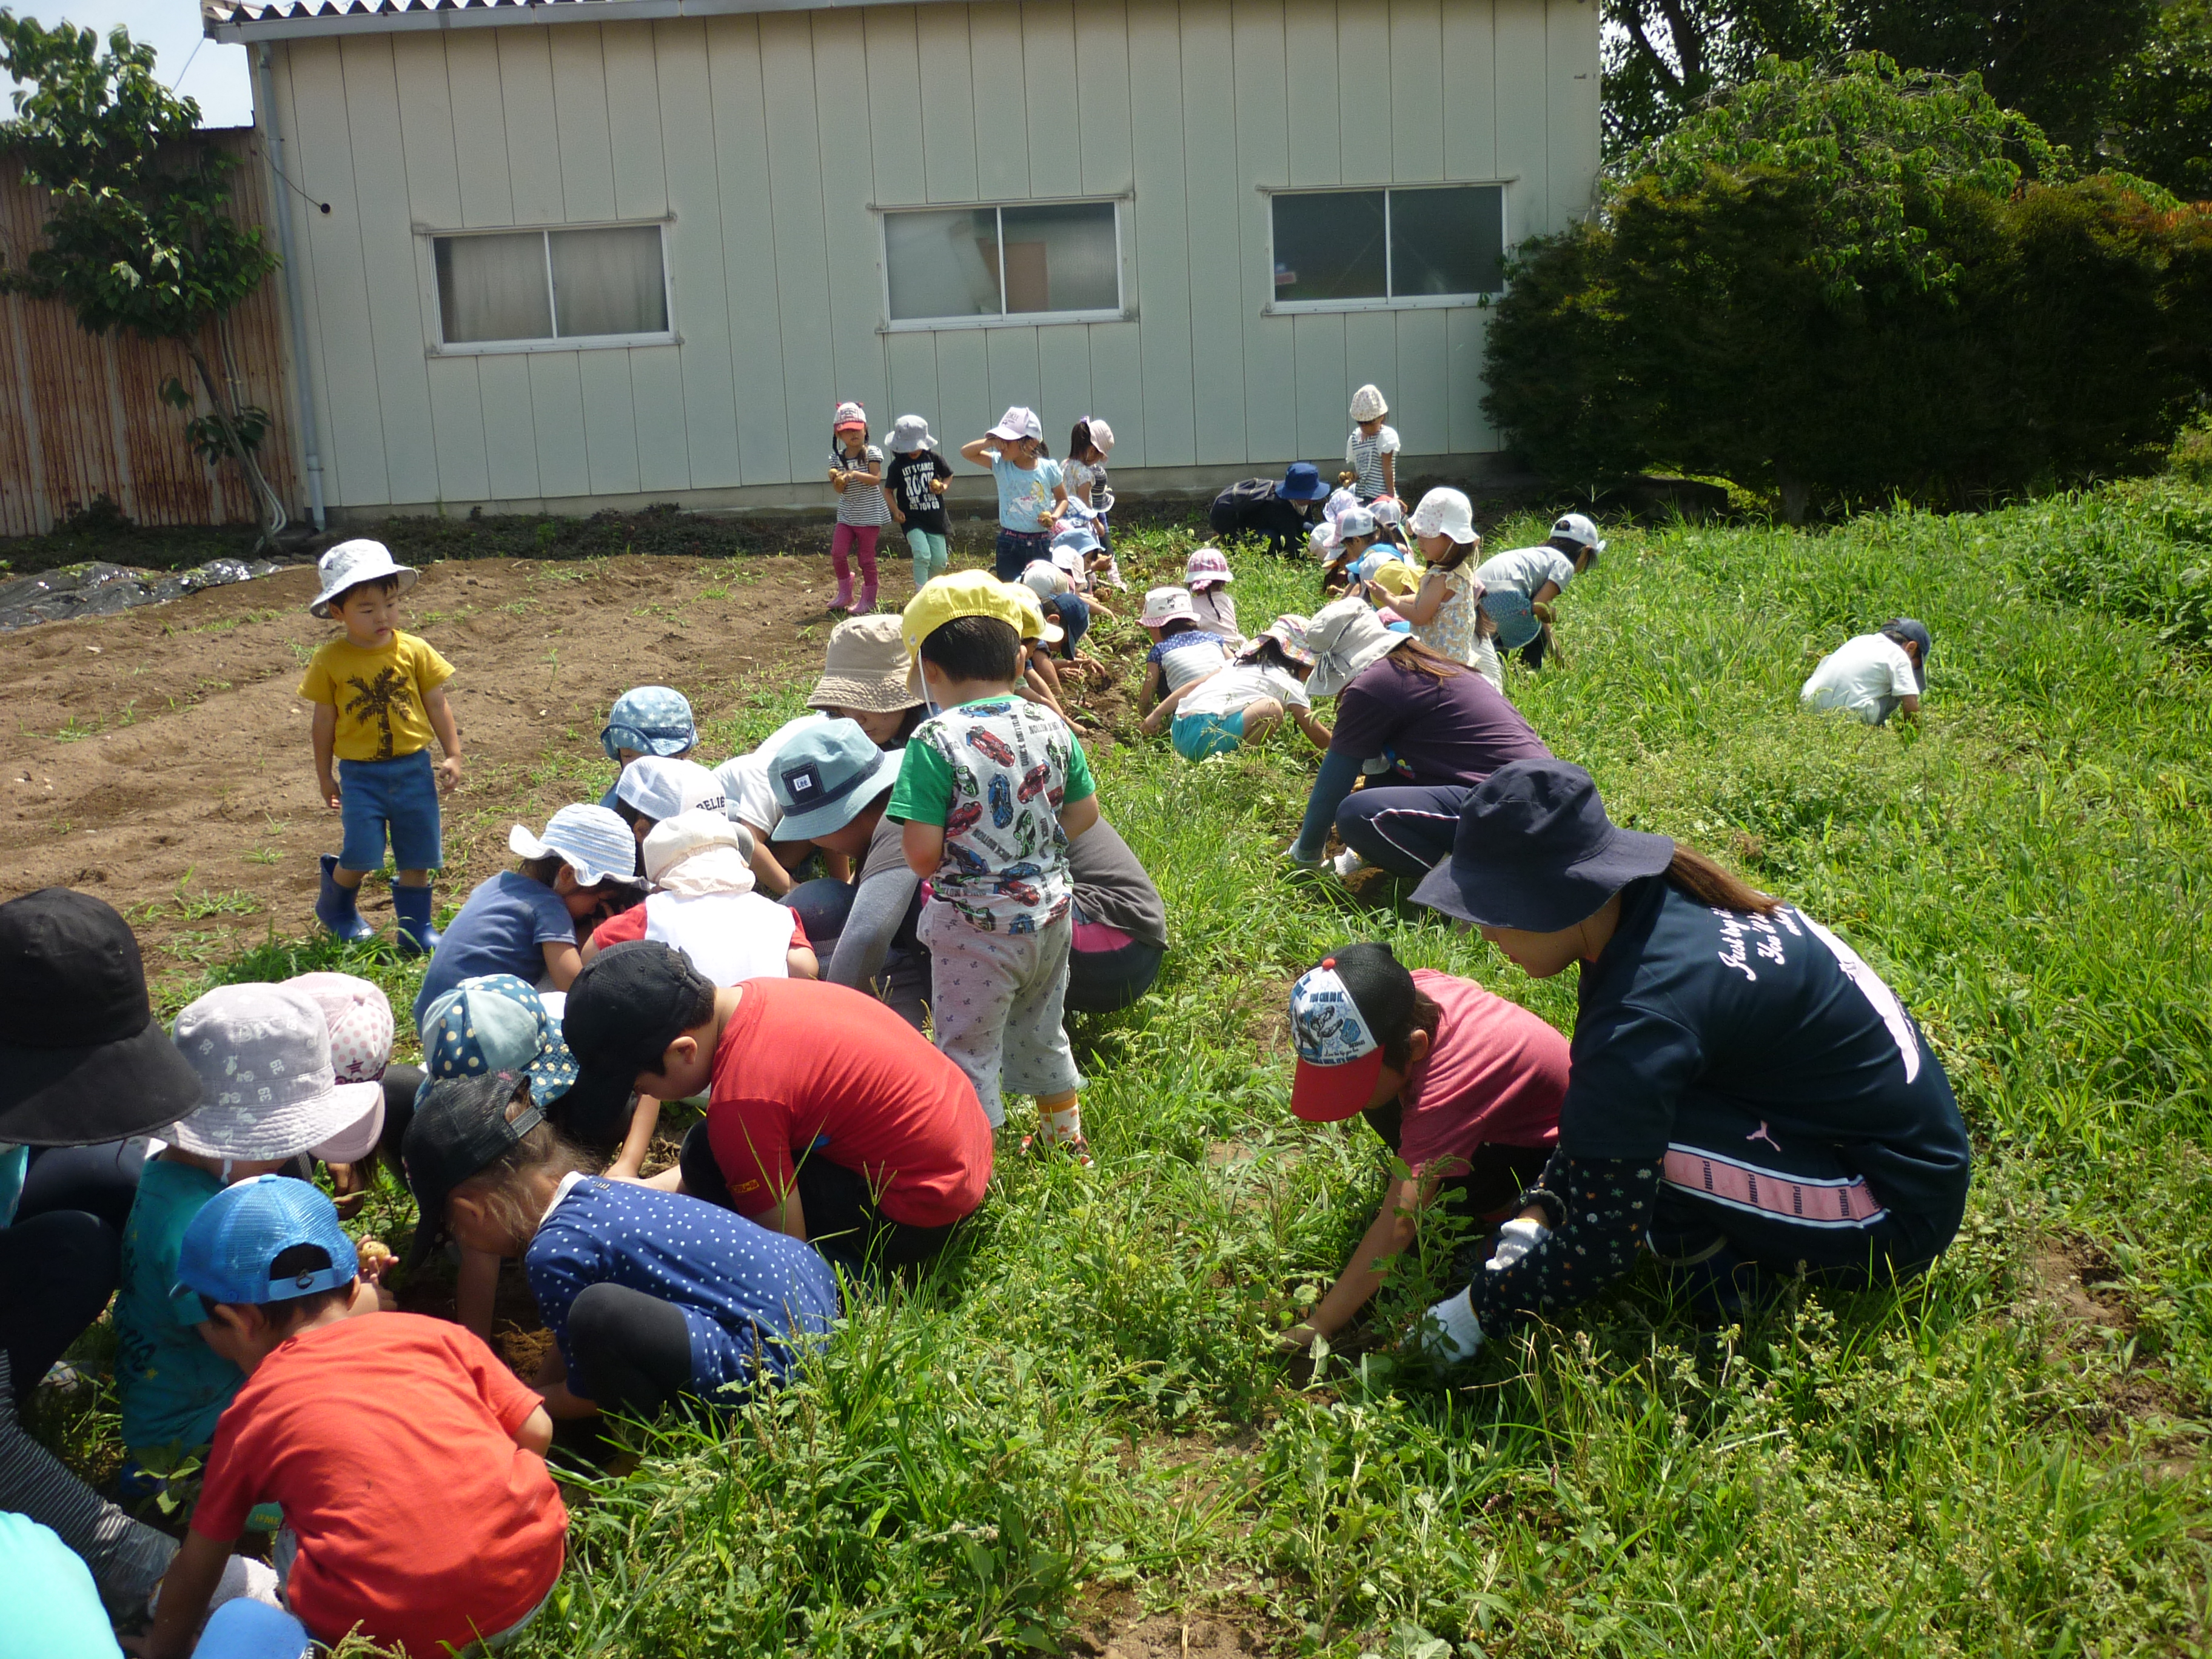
160 759
1118 1628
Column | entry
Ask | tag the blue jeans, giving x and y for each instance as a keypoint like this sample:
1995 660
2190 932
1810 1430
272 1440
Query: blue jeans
400 795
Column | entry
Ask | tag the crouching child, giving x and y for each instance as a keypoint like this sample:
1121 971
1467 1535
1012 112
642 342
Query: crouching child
408 1460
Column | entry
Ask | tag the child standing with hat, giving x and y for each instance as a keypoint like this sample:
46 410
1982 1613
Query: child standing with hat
1371 454
379 695
1031 491
263 1054
856 472
991 790
358 1428
915 484
1462 1086
650 1296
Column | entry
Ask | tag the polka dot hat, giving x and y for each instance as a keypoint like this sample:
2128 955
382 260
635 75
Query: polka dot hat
495 1023
360 1019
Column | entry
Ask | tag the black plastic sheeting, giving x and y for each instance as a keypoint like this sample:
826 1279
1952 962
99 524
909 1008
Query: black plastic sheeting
99 589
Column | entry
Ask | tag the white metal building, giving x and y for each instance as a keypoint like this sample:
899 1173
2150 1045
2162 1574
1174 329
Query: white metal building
584 253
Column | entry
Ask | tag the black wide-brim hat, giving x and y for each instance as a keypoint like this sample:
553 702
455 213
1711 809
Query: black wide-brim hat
1535 851
82 1059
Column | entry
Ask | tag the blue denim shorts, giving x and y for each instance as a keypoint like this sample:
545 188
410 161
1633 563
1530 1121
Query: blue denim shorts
1197 736
402 794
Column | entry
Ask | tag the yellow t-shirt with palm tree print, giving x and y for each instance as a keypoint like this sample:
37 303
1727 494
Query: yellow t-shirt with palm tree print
379 694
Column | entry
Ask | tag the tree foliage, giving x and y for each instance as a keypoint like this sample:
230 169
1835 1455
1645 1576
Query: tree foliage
1840 288
140 236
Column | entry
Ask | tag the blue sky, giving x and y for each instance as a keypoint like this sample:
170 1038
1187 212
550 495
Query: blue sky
216 76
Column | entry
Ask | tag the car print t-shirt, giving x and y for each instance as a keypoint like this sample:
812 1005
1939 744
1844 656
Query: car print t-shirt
995 773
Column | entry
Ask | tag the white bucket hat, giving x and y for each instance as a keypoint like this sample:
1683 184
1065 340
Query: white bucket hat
910 434
1367 404
1347 638
1445 512
1574 527
590 840
263 1052
351 563
359 1016
659 787
1016 424
700 852
1164 605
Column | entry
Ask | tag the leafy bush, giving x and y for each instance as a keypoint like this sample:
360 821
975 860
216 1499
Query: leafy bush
1841 288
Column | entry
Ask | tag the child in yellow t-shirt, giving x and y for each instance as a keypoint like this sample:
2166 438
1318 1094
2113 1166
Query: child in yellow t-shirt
379 695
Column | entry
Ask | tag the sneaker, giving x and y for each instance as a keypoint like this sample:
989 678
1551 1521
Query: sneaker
1347 864
1042 1147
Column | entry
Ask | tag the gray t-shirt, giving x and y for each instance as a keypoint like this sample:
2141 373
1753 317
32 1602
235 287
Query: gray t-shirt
1525 570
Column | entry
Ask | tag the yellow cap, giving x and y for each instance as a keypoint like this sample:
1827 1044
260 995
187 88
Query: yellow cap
1395 577
969 593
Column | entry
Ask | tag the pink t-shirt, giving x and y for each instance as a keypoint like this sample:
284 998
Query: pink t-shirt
1495 1073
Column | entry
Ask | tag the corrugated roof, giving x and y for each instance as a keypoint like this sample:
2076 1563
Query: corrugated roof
250 20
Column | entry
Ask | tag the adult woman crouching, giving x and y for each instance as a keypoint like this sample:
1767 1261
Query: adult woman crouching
1744 1094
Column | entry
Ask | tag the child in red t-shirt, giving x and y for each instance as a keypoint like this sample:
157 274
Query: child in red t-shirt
829 1117
352 1425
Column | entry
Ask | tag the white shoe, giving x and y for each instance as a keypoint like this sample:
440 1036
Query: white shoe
1347 864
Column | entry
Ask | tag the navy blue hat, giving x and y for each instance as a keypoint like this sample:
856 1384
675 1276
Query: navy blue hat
1302 482
1906 628
1535 851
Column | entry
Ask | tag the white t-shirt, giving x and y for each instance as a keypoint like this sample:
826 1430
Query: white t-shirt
1868 676
728 936
1240 683
745 786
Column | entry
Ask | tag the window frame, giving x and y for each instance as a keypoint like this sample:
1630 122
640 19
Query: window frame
429 237
1272 306
1121 310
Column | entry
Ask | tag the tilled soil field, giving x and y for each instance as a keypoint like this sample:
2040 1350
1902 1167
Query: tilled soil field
161 758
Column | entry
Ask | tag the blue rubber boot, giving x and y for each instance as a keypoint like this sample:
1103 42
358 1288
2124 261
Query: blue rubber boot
335 907
417 938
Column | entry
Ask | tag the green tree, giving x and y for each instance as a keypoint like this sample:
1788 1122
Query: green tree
1839 287
2162 117
141 237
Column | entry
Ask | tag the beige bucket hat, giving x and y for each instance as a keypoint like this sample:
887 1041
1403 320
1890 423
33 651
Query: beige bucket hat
866 668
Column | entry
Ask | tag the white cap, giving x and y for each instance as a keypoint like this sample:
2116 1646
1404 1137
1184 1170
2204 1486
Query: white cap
1367 404
1164 605
1045 578
1445 512
1574 527
1354 521
1018 423
1385 510
1102 435
589 839
659 787
351 563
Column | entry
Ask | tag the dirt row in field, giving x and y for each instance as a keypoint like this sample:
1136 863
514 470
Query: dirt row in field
161 758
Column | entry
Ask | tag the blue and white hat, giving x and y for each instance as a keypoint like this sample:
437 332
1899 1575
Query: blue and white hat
650 720
227 1252
495 1023
1336 1009
590 840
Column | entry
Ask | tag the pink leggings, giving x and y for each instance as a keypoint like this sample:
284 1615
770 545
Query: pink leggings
862 539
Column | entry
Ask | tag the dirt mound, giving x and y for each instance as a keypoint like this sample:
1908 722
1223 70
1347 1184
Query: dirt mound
160 759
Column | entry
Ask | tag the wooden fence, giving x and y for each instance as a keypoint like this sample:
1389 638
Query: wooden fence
82 416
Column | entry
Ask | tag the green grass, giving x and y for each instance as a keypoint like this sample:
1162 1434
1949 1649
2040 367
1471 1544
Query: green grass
1080 1415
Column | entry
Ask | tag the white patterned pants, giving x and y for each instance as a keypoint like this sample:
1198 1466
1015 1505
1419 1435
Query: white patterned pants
995 1004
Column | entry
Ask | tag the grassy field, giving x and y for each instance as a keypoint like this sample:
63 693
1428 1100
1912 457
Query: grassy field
1078 1423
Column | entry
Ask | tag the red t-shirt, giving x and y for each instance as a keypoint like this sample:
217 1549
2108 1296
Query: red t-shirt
804 1064
1495 1073
389 1439
627 924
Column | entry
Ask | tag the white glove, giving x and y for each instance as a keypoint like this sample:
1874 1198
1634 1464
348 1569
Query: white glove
1515 1240
1449 1332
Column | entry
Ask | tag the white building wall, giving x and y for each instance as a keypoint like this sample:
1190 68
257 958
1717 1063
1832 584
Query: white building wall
770 138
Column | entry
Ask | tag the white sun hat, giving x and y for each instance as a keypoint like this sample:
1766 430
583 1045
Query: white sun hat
699 851
1164 605
351 563
263 1052
1102 435
1367 404
659 787
1446 512
590 840
1018 423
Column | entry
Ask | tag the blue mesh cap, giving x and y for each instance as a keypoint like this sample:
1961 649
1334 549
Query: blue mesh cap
652 720
495 1023
226 1253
